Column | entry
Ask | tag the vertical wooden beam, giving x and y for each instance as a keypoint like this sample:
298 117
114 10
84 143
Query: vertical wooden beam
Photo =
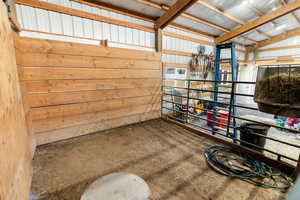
12 15
158 40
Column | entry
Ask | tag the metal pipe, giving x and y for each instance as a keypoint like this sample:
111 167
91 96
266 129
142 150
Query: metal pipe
253 133
224 135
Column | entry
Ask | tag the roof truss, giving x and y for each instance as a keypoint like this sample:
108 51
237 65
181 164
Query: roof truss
260 21
175 10
191 17
279 38
227 15
283 3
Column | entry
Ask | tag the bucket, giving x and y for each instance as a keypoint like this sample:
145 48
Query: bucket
246 130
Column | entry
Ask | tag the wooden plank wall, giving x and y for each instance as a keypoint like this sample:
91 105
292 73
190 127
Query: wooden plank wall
15 143
75 89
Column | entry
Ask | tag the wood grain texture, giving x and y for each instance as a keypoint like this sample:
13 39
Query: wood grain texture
50 73
96 106
69 121
56 60
15 140
51 99
69 86
75 131
50 86
32 45
173 12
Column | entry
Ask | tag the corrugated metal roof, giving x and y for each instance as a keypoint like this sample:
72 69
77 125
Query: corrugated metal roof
135 6
197 26
165 2
211 16
245 10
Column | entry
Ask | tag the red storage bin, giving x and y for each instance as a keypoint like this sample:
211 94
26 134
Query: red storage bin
222 118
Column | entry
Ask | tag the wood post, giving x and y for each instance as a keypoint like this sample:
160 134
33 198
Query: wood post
158 40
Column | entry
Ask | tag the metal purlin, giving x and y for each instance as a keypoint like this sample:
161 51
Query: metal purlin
217 78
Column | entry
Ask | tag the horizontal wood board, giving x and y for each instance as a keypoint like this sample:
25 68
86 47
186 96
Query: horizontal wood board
75 89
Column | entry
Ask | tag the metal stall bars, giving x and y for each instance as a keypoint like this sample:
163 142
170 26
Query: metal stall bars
218 81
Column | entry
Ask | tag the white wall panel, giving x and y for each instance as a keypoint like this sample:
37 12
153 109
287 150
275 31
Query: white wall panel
67 23
52 22
55 22
42 20
29 18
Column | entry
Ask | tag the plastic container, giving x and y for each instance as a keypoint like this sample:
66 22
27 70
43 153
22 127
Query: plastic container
246 130
277 90
222 119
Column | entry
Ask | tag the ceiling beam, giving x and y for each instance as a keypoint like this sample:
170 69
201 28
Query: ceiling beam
191 17
220 11
260 21
283 3
175 10
191 30
258 12
110 7
278 38
199 20
123 11
229 16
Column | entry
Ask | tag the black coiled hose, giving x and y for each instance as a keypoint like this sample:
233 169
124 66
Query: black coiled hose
236 164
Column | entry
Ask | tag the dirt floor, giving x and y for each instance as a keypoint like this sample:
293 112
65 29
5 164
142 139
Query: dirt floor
168 157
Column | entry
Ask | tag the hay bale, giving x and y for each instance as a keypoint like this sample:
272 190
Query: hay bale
280 93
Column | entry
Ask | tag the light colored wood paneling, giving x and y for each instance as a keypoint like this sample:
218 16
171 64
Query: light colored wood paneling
15 140
50 86
86 118
55 60
31 45
50 73
80 108
75 131
39 100
180 53
70 85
